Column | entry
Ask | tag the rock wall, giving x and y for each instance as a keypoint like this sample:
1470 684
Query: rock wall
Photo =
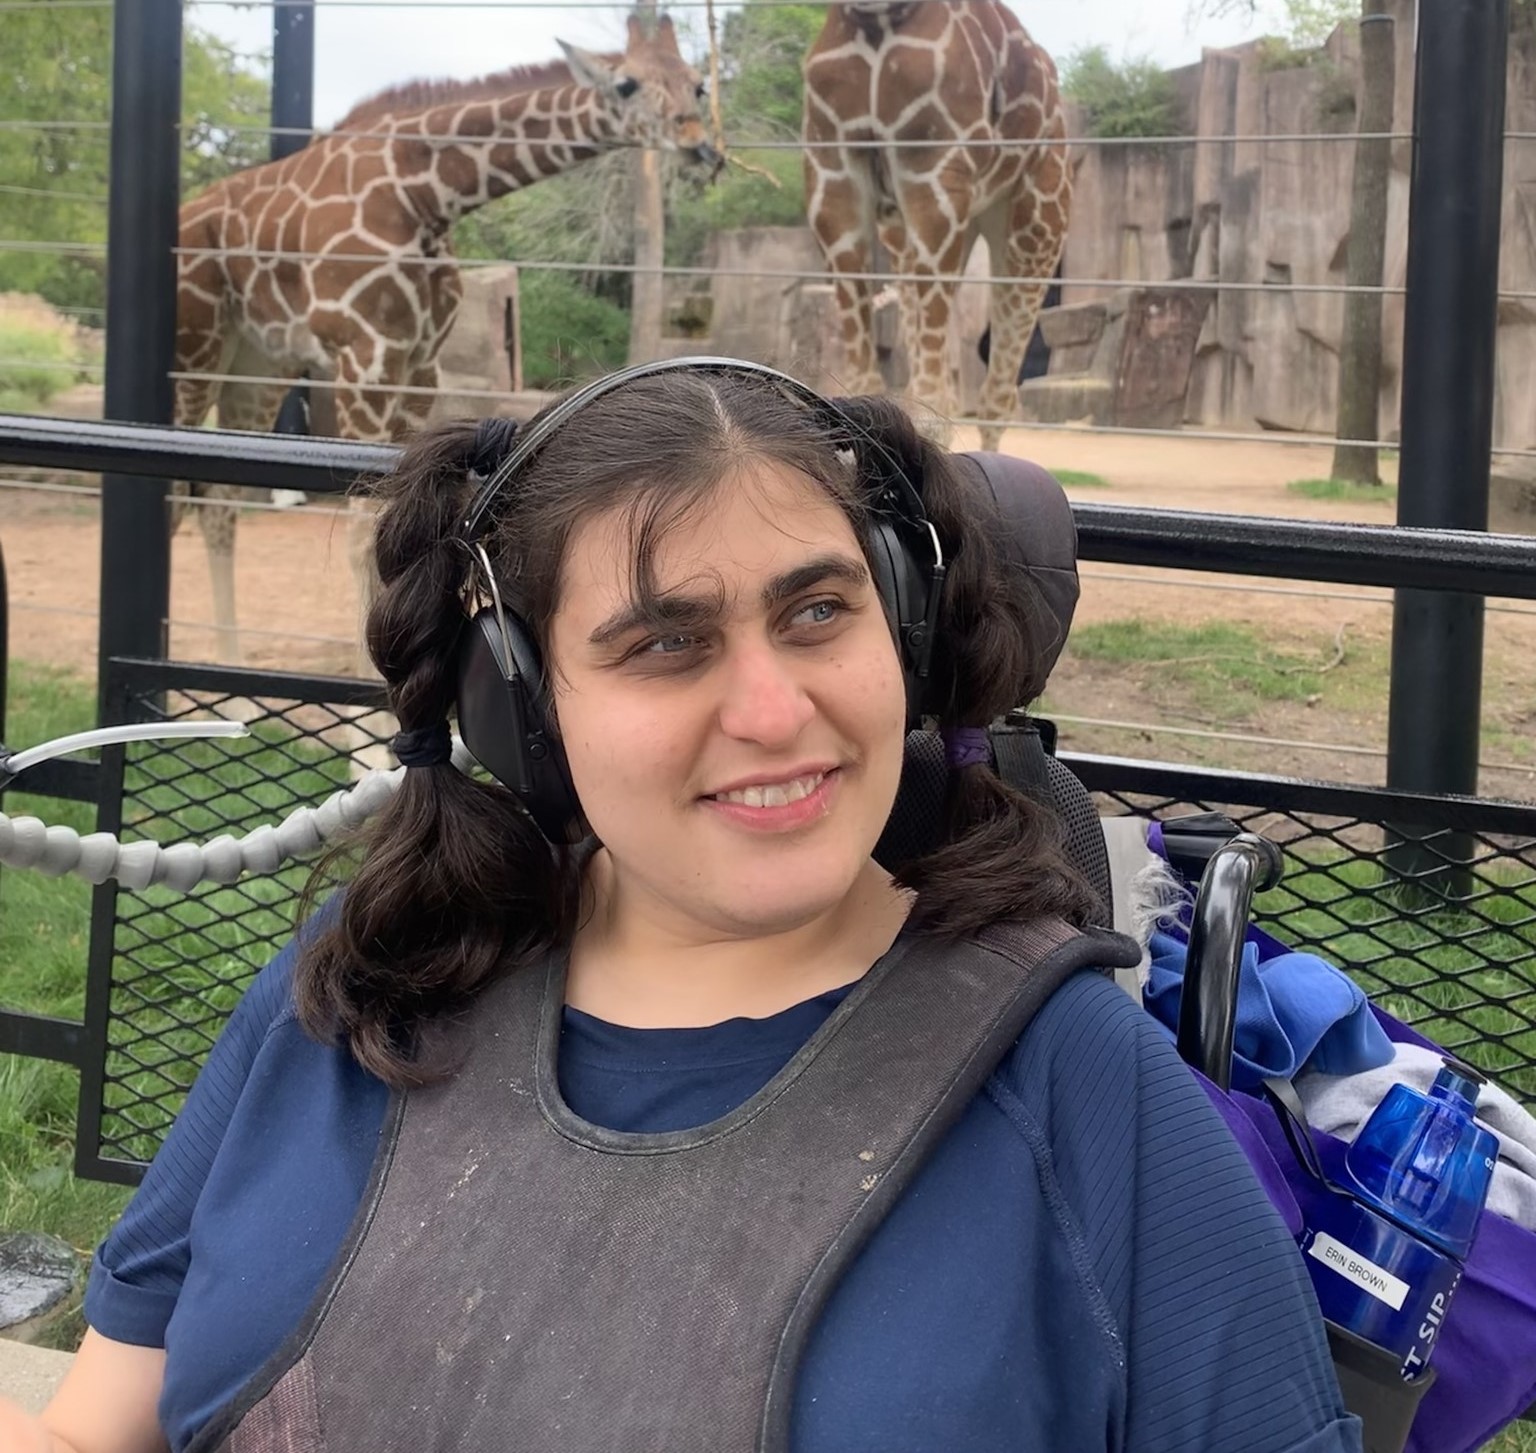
1268 220
1273 216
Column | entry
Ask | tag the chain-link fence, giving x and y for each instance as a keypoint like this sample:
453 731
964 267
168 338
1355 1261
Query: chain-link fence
171 965
1453 953
1428 903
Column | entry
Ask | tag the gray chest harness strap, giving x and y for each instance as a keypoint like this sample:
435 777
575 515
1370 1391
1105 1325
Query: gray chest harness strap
520 1279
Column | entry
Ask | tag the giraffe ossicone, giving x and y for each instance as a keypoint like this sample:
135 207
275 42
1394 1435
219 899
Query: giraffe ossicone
934 124
336 262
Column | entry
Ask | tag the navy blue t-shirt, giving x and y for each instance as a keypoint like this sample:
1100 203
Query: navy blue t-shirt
1086 1262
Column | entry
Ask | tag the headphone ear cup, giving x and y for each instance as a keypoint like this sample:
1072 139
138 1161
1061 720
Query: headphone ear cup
502 722
902 586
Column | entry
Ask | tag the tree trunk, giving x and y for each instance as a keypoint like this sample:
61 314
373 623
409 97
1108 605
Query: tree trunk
645 308
1360 352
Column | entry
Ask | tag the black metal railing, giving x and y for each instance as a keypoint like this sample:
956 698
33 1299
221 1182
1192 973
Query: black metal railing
1382 555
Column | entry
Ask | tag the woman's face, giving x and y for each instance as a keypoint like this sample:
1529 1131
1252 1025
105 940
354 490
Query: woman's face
738 752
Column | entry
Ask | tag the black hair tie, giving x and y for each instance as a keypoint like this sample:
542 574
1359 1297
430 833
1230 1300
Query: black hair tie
493 442
425 747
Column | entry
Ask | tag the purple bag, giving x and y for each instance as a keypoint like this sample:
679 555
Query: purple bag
1485 1356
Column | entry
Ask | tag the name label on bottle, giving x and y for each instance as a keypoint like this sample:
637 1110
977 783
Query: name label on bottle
1365 1274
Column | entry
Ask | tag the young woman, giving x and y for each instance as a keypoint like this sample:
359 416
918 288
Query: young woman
627 1102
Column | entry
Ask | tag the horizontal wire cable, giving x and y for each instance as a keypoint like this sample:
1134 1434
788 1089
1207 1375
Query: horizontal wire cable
765 143
1058 717
1359 598
422 263
1179 582
1215 436
23 485
52 365
60 196
1260 741
196 501
11 123
80 613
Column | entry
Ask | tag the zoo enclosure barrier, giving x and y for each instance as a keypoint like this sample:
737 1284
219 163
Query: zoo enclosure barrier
1461 55
1430 901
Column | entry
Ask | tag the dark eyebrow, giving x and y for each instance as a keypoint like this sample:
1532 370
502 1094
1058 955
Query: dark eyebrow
684 613
813 573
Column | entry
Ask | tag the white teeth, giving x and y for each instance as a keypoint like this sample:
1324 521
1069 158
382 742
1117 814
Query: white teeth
778 794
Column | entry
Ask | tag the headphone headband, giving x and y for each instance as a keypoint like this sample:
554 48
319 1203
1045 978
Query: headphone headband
903 500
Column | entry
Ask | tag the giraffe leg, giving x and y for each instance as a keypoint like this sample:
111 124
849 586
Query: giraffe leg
369 412
251 407
402 413
1036 233
841 216
194 398
199 350
901 261
415 409
937 242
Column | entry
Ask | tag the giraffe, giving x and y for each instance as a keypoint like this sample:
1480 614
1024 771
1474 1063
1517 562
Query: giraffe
369 295
916 76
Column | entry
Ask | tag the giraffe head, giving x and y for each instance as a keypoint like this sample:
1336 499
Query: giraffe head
651 93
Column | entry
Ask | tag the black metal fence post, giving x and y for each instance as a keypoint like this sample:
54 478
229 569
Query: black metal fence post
141 316
293 77
293 121
5 640
1434 719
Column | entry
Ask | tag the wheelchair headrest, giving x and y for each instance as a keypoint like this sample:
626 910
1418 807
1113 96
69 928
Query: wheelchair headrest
1040 537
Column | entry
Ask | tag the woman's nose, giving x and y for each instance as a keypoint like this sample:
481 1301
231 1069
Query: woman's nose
763 698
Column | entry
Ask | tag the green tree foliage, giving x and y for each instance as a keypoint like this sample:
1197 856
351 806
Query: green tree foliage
1132 98
586 216
53 176
568 333
583 217
1311 22
762 52
226 100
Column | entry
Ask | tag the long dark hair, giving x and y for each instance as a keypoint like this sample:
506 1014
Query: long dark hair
453 885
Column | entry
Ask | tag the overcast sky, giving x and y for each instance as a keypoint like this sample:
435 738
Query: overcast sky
361 47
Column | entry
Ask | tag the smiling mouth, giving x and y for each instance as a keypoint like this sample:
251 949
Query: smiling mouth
774 794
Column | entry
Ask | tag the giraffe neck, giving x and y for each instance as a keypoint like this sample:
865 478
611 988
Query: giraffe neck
508 145
875 22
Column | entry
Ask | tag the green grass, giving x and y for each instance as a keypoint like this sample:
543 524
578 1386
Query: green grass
43 933
200 949
183 959
1210 665
1080 479
1517 1438
1463 975
41 361
1344 489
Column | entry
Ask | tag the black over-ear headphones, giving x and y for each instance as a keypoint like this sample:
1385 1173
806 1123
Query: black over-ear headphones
502 703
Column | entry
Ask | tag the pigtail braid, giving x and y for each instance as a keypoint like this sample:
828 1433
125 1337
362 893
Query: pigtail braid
454 885
1002 854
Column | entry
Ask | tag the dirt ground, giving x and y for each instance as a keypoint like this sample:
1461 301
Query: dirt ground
298 610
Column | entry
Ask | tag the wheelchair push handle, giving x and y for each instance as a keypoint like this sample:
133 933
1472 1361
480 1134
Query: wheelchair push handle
1237 870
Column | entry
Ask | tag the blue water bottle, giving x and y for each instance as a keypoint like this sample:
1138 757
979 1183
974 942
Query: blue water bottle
1386 1260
